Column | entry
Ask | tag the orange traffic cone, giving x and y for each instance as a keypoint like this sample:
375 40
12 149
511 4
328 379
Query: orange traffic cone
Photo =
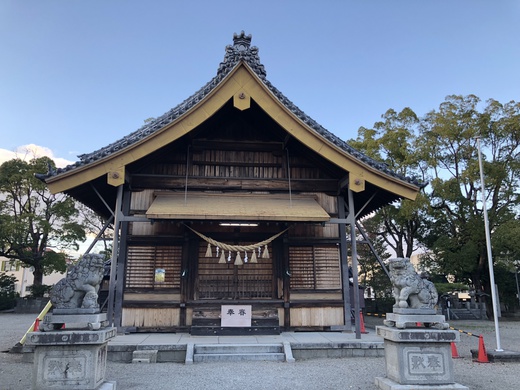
482 355
454 352
362 323
36 325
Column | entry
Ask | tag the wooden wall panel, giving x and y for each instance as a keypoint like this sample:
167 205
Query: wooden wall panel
315 267
319 316
146 318
142 262
145 296
141 200
141 229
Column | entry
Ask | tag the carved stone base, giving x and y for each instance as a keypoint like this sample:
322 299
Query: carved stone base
388 384
418 358
410 318
73 321
70 360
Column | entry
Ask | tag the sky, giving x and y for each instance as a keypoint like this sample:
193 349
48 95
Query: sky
76 75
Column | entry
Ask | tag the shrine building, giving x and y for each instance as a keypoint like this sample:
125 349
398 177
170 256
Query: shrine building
234 201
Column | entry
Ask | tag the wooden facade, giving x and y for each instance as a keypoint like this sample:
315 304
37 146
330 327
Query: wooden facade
237 164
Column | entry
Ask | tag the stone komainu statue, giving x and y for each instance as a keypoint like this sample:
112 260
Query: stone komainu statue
80 287
409 289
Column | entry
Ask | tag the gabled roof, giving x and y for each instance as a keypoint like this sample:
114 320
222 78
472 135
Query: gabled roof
240 71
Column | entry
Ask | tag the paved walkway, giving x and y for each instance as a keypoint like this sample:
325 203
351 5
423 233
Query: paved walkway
295 338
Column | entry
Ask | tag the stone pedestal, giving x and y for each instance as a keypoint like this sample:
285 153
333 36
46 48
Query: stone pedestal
404 318
70 359
418 358
82 321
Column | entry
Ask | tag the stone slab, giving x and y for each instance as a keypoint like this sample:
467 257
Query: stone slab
388 384
424 311
401 320
65 337
145 356
424 335
76 311
64 318
111 385
53 321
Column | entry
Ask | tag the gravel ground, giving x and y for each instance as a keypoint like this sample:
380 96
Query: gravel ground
346 373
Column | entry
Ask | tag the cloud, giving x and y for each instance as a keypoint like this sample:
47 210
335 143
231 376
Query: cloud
27 152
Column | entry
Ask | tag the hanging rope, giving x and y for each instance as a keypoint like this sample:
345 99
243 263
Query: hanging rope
237 248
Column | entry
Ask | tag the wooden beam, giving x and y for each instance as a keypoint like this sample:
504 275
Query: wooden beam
227 183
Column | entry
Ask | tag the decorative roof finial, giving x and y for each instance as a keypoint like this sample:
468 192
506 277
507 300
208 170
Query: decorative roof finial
242 41
241 51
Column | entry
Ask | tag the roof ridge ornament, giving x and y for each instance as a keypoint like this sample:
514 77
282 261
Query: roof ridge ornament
242 42
241 51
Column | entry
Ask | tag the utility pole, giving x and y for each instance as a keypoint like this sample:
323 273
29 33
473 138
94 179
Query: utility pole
488 245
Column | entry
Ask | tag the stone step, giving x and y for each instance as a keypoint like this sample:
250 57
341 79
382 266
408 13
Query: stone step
238 352
237 348
239 357
464 314
145 356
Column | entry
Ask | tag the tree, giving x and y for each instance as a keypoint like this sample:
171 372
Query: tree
32 219
448 150
393 141
94 224
447 217
8 294
371 273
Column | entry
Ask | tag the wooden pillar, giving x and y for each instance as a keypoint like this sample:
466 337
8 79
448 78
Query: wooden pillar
286 284
342 227
121 261
185 280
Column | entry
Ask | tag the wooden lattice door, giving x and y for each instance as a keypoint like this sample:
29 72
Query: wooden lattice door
227 281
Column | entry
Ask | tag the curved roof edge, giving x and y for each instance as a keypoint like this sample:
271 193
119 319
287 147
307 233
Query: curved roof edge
240 51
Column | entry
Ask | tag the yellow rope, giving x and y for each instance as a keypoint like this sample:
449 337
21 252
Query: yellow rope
236 248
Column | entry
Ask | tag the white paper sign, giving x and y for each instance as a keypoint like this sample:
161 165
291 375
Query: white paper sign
235 315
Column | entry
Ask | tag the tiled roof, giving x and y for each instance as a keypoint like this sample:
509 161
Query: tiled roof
240 51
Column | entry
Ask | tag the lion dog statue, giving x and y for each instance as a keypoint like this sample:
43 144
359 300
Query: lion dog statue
79 289
410 290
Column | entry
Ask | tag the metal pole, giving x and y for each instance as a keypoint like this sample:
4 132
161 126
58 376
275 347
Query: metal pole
353 253
489 256
517 286
342 228
115 253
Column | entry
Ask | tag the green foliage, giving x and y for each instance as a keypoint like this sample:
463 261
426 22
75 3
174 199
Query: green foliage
7 291
449 150
393 141
506 288
32 219
371 273
443 288
39 291
442 150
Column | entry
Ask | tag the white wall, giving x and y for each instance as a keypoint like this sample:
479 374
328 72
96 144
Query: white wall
25 277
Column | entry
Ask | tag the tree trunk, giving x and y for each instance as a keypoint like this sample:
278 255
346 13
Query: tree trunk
38 276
